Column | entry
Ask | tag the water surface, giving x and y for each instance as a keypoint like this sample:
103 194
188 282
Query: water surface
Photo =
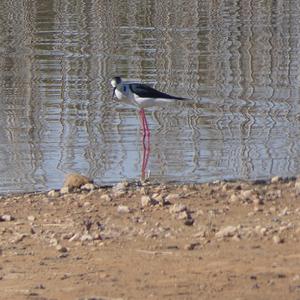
239 60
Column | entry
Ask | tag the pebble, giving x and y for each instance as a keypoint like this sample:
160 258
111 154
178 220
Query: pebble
67 236
258 201
228 231
88 187
284 212
119 193
277 239
275 179
158 197
183 215
123 209
233 198
263 231
172 197
191 246
75 237
18 238
189 222
31 218
65 190
6 218
75 180
144 191
86 237
258 208
53 194
297 187
121 186
246 195
147 201
106 197
53 242
177 208
61 249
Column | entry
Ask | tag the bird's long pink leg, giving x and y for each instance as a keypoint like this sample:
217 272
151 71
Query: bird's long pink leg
146 130
142 121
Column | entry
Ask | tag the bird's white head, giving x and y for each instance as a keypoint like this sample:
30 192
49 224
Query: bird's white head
116 81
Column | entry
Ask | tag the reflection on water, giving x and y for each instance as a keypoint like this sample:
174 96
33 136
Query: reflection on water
239 60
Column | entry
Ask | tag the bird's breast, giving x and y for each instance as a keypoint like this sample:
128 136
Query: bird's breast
124 97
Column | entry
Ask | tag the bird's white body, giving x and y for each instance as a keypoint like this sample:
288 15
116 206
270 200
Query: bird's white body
125 92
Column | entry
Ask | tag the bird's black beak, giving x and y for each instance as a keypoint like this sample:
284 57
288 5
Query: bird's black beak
113 94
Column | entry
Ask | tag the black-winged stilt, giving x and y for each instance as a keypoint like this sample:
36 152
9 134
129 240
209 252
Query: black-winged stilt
142 96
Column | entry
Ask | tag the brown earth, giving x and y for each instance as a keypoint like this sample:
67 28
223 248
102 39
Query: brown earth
231 240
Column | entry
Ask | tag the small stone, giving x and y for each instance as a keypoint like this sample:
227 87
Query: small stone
119 193
53 194
88 187
121 186
61 249
183 215
86 237
75 237
258 201
147 201
75 180
297 186
275 179
258 209
31 218
123 209
278 240
191 246
144 191
67 236
18 238
263 231
296 277
172 197
158 197
189 222
177 208
284 212
65 190
228 231
246 195
233 198
53 242
6 218
236 238
39 286
106 197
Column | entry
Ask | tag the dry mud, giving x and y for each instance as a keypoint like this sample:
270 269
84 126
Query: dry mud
225 240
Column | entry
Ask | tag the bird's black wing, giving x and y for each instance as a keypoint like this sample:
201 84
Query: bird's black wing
145 91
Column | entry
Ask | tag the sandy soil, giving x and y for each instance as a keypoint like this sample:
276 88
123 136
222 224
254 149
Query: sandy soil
231 240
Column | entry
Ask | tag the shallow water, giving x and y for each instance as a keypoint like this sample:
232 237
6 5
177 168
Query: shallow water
239 61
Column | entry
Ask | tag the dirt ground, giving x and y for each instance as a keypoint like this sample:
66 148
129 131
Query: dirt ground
225 240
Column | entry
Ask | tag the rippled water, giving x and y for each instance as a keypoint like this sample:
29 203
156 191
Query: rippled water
239 60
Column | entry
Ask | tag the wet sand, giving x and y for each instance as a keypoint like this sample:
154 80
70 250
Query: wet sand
225 240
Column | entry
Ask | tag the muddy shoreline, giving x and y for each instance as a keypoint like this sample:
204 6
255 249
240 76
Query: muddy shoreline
223 240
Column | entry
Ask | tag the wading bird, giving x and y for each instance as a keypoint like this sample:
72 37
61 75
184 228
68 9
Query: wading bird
142 96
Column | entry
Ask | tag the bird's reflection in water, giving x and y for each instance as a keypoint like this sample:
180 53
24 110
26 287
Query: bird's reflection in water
146 153
146 144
